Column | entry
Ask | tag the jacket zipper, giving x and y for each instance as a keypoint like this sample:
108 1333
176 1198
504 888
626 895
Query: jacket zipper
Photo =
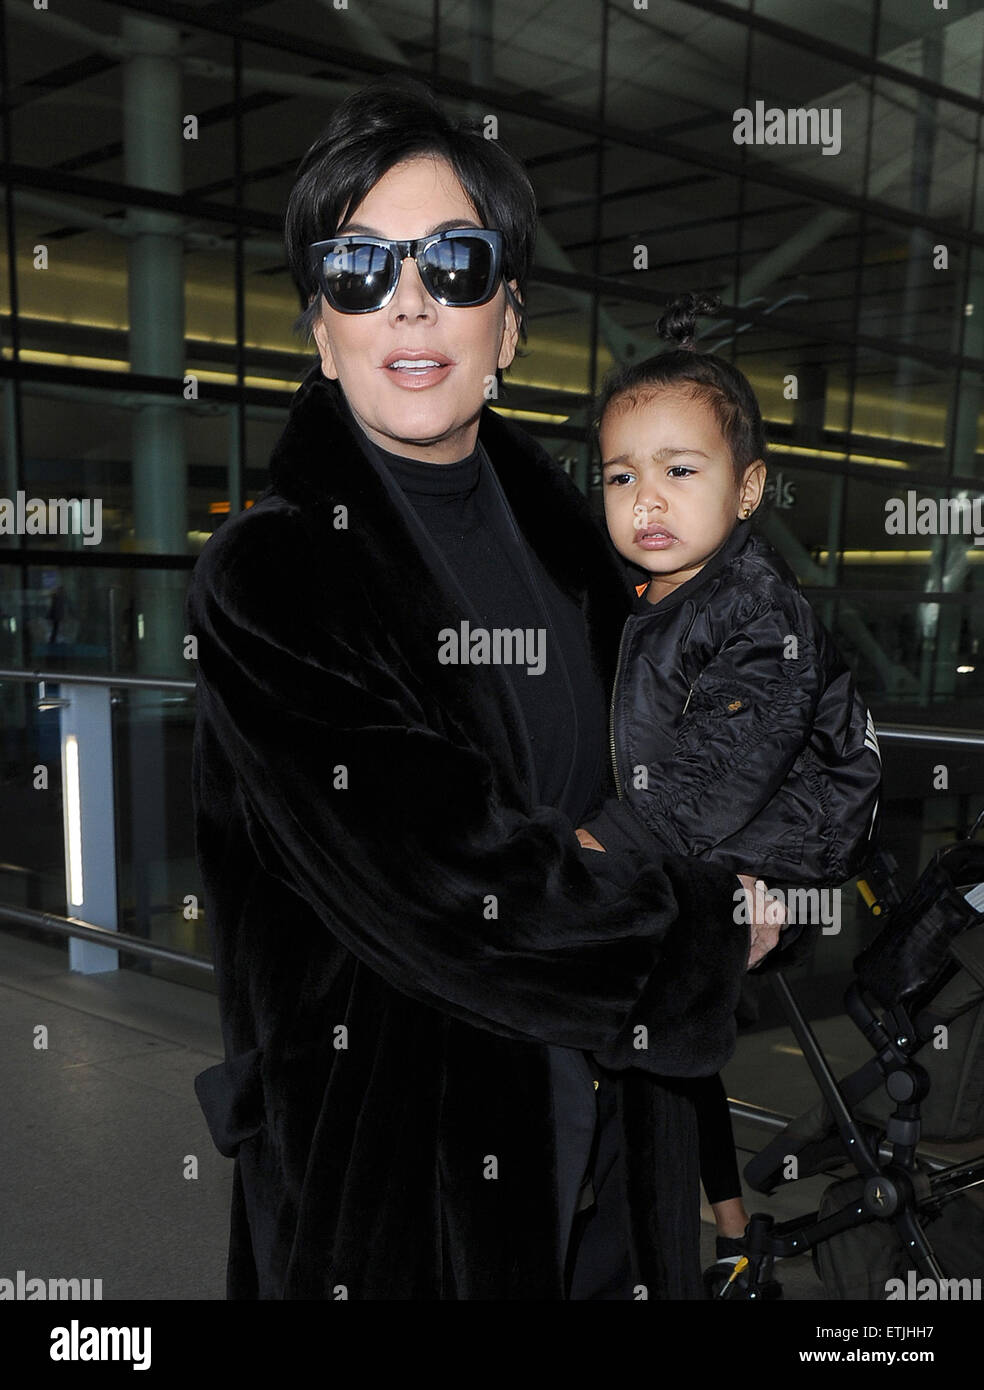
689 693
611 710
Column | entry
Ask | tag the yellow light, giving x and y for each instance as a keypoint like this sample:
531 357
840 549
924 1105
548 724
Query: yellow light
975 556
538 415
524 374
66 359
838 456
73 817
110 364
265 383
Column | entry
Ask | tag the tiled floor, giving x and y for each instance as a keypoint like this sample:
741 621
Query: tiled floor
109 1171
101 1127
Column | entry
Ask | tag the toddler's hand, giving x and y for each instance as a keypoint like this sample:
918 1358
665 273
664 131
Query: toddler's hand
765 927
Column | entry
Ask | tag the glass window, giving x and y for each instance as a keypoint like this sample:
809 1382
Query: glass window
924 153
32 873
66 89
944 46
667 229
899 411
147 468
837 21
965 440
96 619
807 120
72 281
6 320
797 264
675 72
557 357
801 515
142 291
900 534
912 287
155 852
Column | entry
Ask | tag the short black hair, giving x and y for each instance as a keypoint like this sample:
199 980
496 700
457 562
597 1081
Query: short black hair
700 374
377 127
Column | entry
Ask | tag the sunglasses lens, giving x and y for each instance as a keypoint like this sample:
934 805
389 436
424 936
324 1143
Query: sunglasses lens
357 277
460 270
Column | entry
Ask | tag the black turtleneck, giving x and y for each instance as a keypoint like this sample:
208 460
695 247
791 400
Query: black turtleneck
467 516
564 708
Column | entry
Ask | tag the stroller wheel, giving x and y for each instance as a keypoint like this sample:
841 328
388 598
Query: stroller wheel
721 1281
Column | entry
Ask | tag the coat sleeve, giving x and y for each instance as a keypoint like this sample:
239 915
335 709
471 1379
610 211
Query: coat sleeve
748 718
397 836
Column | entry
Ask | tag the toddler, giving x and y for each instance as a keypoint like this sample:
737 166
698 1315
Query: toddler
737 734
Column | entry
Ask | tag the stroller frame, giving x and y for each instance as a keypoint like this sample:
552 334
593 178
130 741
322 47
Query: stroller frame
896 1190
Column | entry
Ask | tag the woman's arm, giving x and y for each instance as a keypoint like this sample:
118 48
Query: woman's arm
404 844
762 939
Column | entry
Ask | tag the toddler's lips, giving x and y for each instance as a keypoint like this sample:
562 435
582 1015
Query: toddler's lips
655 538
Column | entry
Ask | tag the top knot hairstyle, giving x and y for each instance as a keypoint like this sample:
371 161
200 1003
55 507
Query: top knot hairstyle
378 127
700 375
679 323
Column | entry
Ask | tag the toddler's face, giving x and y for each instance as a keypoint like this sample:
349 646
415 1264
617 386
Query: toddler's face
671 497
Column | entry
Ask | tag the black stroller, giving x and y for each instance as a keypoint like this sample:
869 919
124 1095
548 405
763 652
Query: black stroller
918 985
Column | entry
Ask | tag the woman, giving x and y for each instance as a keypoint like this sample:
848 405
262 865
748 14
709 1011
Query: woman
451 1031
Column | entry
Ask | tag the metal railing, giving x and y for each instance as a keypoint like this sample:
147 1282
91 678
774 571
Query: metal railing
78 678
74 927
101 936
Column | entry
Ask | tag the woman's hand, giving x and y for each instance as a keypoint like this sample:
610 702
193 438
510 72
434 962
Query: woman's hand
765 929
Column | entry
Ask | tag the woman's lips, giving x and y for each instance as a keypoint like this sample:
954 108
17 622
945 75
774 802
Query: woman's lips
655 538
415 371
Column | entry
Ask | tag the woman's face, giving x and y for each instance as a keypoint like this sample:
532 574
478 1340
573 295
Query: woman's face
431 415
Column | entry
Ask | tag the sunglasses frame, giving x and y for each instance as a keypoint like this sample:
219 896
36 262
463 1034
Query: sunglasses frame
413 250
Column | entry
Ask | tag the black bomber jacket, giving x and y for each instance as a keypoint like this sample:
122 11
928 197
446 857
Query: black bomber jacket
737 733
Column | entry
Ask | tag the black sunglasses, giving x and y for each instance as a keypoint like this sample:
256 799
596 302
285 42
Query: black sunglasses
358 274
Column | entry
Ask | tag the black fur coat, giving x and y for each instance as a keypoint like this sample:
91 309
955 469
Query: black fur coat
398 931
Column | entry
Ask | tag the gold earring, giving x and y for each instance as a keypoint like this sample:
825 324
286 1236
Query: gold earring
746 513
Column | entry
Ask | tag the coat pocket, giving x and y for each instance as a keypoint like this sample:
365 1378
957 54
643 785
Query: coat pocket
231 1096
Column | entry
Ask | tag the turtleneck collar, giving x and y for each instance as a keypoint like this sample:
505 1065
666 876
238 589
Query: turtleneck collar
431 479
418 477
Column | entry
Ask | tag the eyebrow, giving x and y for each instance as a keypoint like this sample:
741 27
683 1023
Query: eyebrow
449 226
660 456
